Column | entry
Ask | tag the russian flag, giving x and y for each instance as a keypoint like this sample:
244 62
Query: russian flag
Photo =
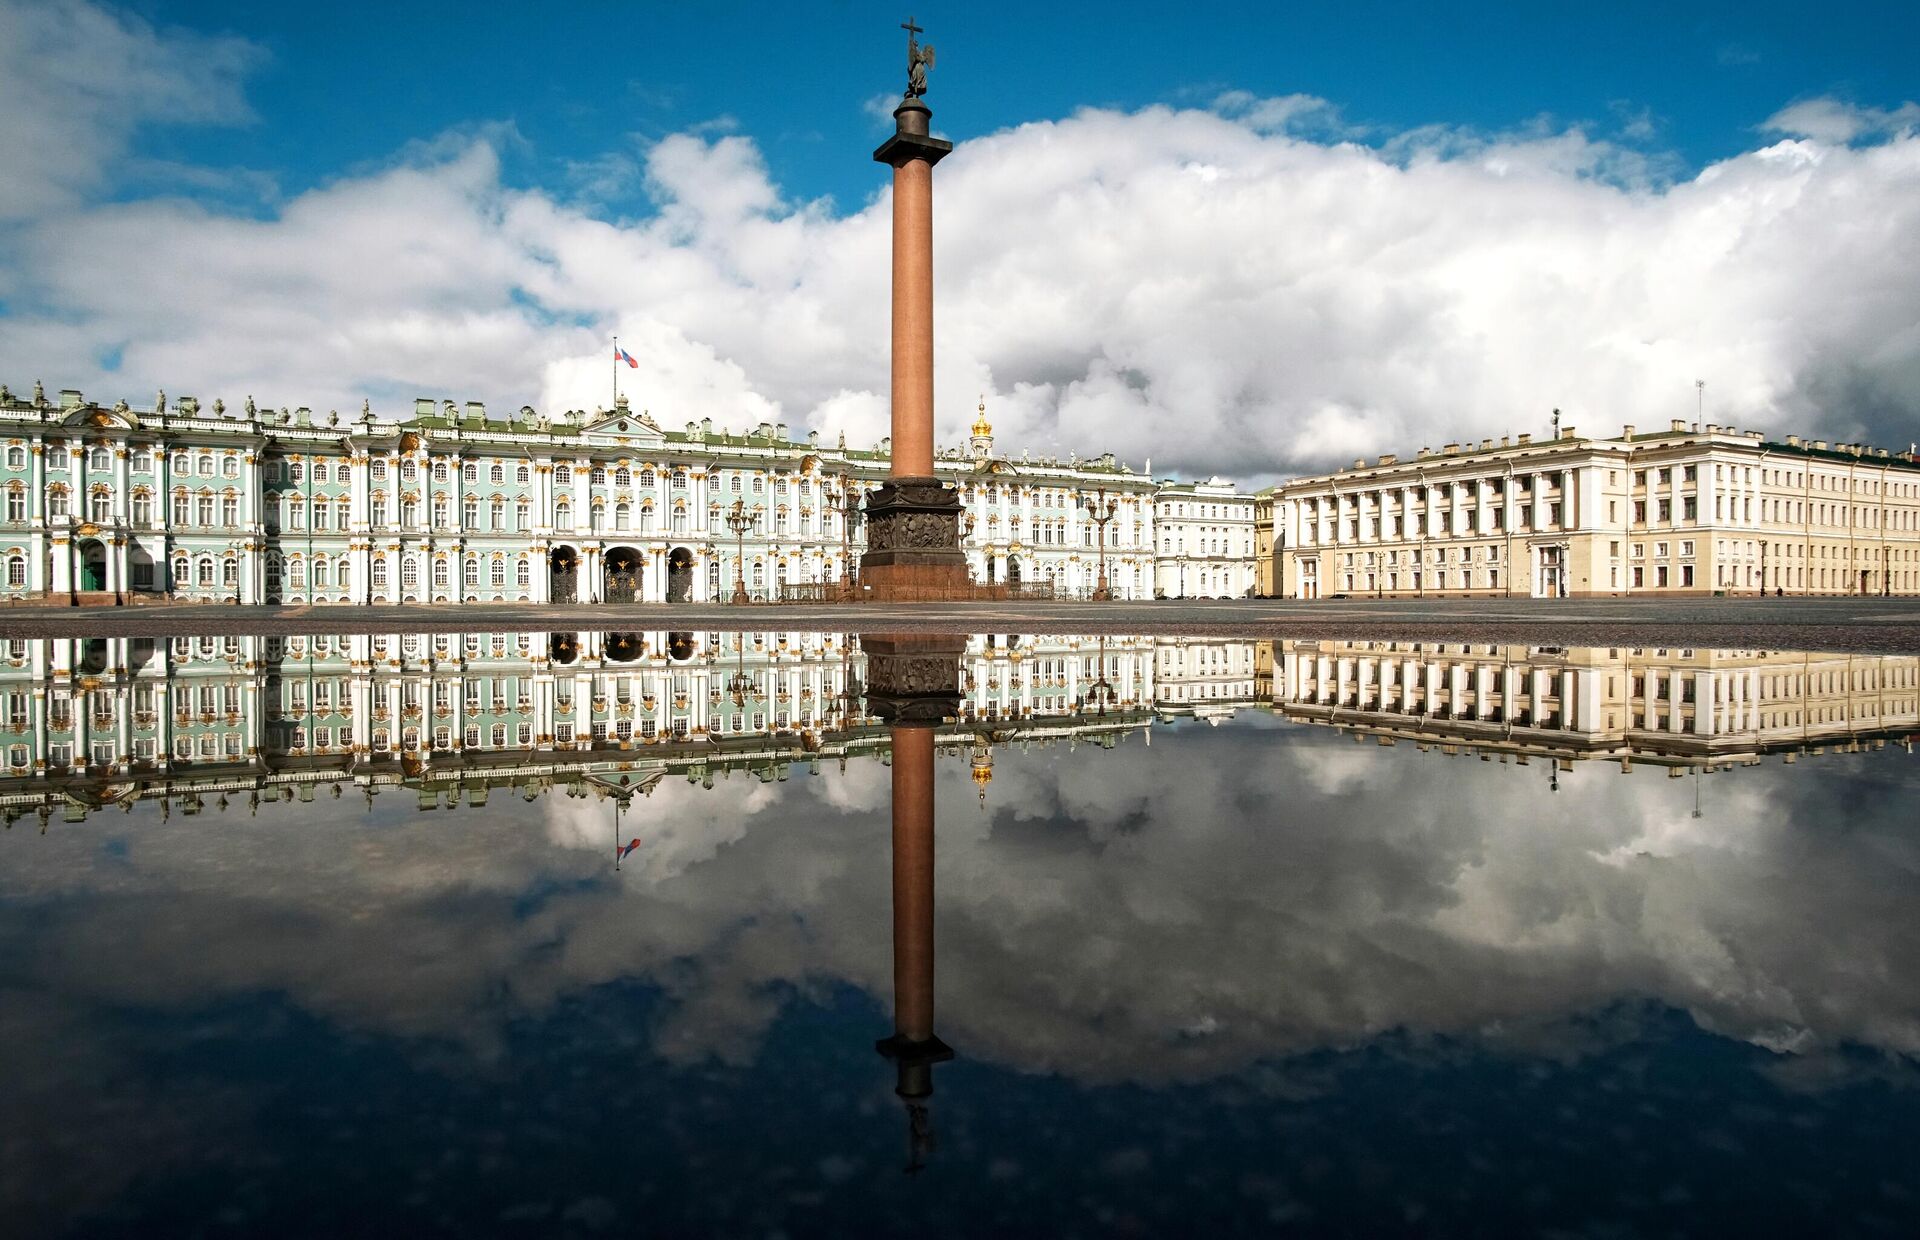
628 850
621 355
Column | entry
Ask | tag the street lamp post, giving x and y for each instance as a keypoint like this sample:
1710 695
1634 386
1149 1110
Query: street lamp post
847 497
1102 510
739 520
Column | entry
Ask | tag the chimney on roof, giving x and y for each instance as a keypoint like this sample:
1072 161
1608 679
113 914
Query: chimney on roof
1486 445
780 431
1679 424
1568 432
1754 435
1821 444
1359 462
1452 449
1526 437
1793 441
706 427
1506 441
1626 432
475 409
1423 454
69 398
1388 458
423 406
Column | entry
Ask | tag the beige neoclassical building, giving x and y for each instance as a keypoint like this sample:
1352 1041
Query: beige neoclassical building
1690 509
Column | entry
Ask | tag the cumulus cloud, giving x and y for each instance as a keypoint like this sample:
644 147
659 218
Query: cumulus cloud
1837 121
80 79
1284 295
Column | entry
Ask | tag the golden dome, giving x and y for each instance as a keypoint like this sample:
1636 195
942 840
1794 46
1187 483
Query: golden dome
981 427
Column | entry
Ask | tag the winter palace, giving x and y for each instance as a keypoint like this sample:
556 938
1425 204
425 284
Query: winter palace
455 505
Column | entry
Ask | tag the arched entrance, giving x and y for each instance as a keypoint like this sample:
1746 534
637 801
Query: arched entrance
93 565
679 575
679 647
623 575
93 656
622 647
563 648
563 574
1013 570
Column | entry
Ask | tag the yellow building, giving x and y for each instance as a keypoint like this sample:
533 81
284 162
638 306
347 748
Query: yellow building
1693 509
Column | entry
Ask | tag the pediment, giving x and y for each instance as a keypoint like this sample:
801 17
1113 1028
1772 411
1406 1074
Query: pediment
621 426
96 418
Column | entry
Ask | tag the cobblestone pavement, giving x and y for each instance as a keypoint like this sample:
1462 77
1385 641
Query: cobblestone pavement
1840 624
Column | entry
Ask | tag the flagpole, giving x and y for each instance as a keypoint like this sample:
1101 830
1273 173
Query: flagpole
616 370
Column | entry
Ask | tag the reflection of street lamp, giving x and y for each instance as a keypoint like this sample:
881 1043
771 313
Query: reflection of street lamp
740 683
1102 510
1101 690
1181 560
739 520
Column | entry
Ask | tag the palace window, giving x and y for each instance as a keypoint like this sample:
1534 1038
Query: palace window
409 512
16 572
646 477
442 575
621 516
439 471
100 460
523 573
409 471
469 472
562 475
377 512
377 471
409 573
522 514
378 573
563 515
680 478
17 506
470 513
622 477
16 458
441 511
203 510
599 476
520 474
472 574
320 574
56 503
101 508
496 473
229 509
497 515
497 573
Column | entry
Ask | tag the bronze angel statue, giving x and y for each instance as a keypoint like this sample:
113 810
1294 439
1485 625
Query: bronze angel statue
919 60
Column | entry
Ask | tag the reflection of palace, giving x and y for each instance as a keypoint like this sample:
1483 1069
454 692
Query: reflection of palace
94 719
1671 705
456 505
1206 677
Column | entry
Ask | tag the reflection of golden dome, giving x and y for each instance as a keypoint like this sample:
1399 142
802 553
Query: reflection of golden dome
982 769
981 427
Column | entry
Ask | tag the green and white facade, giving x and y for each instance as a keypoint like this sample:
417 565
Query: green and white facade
106 504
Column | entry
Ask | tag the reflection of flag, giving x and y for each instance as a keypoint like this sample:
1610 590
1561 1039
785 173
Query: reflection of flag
621 355
629 848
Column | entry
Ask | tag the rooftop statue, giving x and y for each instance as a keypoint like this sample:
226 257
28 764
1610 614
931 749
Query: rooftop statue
919 60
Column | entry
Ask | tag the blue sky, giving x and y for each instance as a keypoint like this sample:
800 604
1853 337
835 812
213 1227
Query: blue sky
339 87
1297 235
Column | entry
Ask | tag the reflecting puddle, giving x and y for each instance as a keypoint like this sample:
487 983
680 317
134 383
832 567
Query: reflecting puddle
581 932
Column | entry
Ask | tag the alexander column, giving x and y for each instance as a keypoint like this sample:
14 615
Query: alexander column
913 520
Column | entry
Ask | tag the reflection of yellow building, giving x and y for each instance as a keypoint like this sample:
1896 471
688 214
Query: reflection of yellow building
1666 704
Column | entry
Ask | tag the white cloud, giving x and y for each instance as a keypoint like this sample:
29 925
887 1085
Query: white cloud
1205 287
79 79
1837 121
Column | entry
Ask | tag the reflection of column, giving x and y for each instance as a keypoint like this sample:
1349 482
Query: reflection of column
913 683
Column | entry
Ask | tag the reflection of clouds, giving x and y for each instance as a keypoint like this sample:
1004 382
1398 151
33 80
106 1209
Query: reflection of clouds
1146 913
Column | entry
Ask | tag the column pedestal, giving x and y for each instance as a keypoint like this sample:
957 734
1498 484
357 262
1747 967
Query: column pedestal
913 541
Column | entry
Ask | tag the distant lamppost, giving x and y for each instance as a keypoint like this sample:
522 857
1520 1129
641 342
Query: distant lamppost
1102 510
845 496
739 520
740 684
